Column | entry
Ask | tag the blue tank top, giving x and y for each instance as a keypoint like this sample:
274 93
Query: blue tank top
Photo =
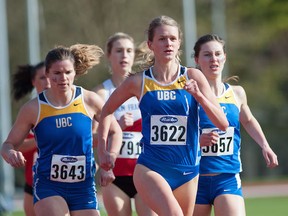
170 121
223 157
64 138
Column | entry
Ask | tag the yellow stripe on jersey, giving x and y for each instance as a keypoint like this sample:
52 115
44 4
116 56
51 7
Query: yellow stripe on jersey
76 107
151 85
228 98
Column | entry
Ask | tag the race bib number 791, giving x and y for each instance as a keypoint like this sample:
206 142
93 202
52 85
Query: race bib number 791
130 145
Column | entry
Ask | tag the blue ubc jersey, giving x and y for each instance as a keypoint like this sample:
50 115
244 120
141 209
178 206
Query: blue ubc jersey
64 139
223 157
170 126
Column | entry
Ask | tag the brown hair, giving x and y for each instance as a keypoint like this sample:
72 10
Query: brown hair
22 79
83 56
212 37
205 39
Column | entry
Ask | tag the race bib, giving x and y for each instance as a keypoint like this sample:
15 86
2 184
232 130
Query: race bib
130 145
65 168
168 130
224 146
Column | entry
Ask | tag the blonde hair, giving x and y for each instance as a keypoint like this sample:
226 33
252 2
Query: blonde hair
117 36
159 21
144 57
156 22
231 78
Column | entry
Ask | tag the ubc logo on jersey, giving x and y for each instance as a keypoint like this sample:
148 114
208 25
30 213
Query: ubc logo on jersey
168 119
69 160
63 122
166 95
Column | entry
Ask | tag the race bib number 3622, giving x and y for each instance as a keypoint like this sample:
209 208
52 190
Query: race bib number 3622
168 130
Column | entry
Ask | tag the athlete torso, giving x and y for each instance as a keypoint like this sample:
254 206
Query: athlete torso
170 121
64 139
130 150
223 157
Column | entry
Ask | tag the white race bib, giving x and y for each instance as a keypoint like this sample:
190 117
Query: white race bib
65 168
130 145
168 130
224 146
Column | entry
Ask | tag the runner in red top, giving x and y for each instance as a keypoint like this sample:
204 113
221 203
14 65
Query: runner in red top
27 78
117 196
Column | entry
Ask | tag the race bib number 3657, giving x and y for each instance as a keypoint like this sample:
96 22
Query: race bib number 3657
66 168
168 130
224 146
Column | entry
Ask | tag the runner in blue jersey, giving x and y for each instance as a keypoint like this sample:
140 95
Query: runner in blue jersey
220 165
61 118
166 173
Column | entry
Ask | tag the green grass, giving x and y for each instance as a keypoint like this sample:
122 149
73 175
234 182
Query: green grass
276 206
266 206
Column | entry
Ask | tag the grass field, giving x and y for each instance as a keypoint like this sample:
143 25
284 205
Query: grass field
276 206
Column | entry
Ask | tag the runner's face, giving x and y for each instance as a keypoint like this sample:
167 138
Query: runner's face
41 81
166 42
121 57
211 59
61 75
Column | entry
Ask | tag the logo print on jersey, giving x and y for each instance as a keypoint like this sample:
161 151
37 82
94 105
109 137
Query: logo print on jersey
166 95
128 136
64 122
187 173
168 119
220 132
69 159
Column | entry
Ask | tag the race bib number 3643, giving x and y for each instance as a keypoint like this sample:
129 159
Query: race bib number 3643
168 130
66 168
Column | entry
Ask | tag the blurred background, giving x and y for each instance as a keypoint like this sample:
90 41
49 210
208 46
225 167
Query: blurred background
256 34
